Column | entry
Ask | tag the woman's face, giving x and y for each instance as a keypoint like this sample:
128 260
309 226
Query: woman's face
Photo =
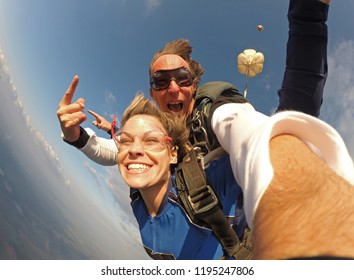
144 153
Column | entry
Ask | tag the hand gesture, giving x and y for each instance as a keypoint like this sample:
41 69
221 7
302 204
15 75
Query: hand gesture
71 115
100 122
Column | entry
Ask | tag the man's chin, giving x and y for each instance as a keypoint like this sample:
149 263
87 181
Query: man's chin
178 113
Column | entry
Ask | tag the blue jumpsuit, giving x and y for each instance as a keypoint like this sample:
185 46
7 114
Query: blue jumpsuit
172 235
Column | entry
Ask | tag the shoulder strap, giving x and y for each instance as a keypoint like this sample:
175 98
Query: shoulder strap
197 196
199 123
212 90
201 204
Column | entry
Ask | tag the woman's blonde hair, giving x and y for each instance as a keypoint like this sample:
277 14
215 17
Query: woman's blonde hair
174 125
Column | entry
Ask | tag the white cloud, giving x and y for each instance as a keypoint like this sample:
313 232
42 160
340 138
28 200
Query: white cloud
30 147
119 191
95 175
110 105
4 70
118 188
7 187
151 6
110 181
338 105
8 89
110 98
266 81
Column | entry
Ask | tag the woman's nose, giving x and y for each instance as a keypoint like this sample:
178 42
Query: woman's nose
136 147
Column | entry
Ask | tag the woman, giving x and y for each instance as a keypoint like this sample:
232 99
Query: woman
150 143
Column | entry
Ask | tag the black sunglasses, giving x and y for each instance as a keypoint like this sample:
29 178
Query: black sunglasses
161 79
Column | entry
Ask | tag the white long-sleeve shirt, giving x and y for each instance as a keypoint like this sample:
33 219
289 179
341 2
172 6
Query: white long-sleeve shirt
245 134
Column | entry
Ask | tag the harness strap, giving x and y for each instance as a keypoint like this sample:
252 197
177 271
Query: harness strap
214 154
201 202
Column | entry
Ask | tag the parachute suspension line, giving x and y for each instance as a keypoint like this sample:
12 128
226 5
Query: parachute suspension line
246 88
245 91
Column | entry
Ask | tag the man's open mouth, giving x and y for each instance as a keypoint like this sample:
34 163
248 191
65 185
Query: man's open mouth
175 107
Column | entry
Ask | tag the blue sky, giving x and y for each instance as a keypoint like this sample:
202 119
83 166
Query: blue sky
109 44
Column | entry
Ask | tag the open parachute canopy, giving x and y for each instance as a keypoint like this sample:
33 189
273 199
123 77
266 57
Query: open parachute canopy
250 62
260 28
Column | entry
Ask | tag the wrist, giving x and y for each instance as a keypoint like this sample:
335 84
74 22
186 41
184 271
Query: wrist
81 141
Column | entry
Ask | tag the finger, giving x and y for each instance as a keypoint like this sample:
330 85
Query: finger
77 106
81 119
68 96
97 116
72 120
81 102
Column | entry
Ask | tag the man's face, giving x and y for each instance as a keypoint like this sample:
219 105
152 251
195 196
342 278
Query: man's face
174 99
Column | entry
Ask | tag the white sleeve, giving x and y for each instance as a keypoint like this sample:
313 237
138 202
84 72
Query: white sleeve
245 134
100 150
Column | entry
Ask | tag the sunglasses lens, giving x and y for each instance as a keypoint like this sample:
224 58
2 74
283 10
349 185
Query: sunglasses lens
160 80
183 77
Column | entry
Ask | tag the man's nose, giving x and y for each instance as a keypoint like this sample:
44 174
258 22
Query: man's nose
173 87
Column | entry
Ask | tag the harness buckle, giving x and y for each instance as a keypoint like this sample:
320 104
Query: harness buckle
203 200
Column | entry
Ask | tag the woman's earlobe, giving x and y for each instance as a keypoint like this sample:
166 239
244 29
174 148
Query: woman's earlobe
174 155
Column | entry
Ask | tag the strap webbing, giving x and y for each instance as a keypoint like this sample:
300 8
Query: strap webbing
205 206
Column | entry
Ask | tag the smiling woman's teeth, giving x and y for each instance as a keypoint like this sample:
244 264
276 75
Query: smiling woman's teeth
137 167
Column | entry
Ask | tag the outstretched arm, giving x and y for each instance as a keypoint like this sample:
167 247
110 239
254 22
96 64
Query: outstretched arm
305 194
71 115
100 122
306 57
307 210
